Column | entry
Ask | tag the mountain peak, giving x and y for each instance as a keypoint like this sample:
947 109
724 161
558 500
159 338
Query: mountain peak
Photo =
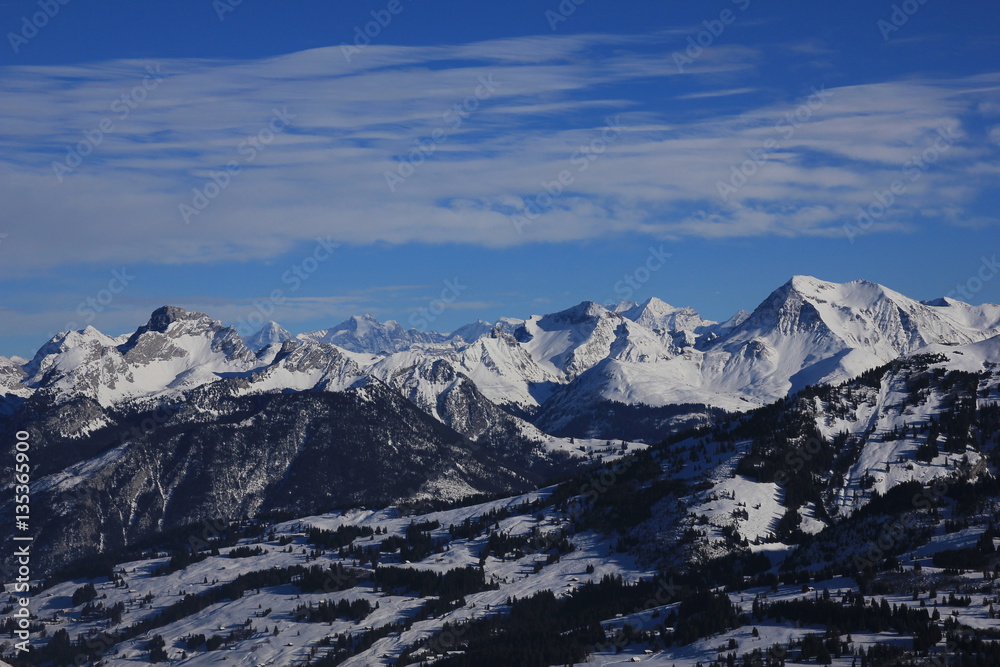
584 310
656 314
164 316
471 332
269 334
808 284
364 333
621 306
657 303
362 322
738 318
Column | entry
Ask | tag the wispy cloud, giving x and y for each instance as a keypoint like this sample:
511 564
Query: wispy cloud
716 93
324 173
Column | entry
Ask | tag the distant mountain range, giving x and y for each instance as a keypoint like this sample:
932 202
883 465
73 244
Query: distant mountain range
652 354
303 512
183 419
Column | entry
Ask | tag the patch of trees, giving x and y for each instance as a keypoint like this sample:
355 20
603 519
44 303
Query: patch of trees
545 630
157 649
334 578
534 634
348 644
701 614
976 557
92 648
415 545
448 586
502 545
852 614
215 642
182 558
637 422
328 611
973 650
84 594
246 552
475 526
341 537
730 570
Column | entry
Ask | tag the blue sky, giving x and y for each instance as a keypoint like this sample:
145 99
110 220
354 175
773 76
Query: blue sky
272 158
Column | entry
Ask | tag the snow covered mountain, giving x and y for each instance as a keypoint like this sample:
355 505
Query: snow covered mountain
270 334
872 502
471 332
175 350
556 370
809 331
658 315
364 333
519 391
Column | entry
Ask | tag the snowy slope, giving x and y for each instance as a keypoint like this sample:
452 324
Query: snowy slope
809 332
174 351
656 314
364 333
806 332
471 332
270 334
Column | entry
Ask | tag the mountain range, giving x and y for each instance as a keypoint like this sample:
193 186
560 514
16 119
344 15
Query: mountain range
347 526
651 354
158 427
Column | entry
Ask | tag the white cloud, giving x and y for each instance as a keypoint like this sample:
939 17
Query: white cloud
727 92
323 174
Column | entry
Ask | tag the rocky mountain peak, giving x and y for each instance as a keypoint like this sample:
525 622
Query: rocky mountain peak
163 317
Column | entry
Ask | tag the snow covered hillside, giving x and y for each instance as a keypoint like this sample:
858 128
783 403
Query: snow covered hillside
762 536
